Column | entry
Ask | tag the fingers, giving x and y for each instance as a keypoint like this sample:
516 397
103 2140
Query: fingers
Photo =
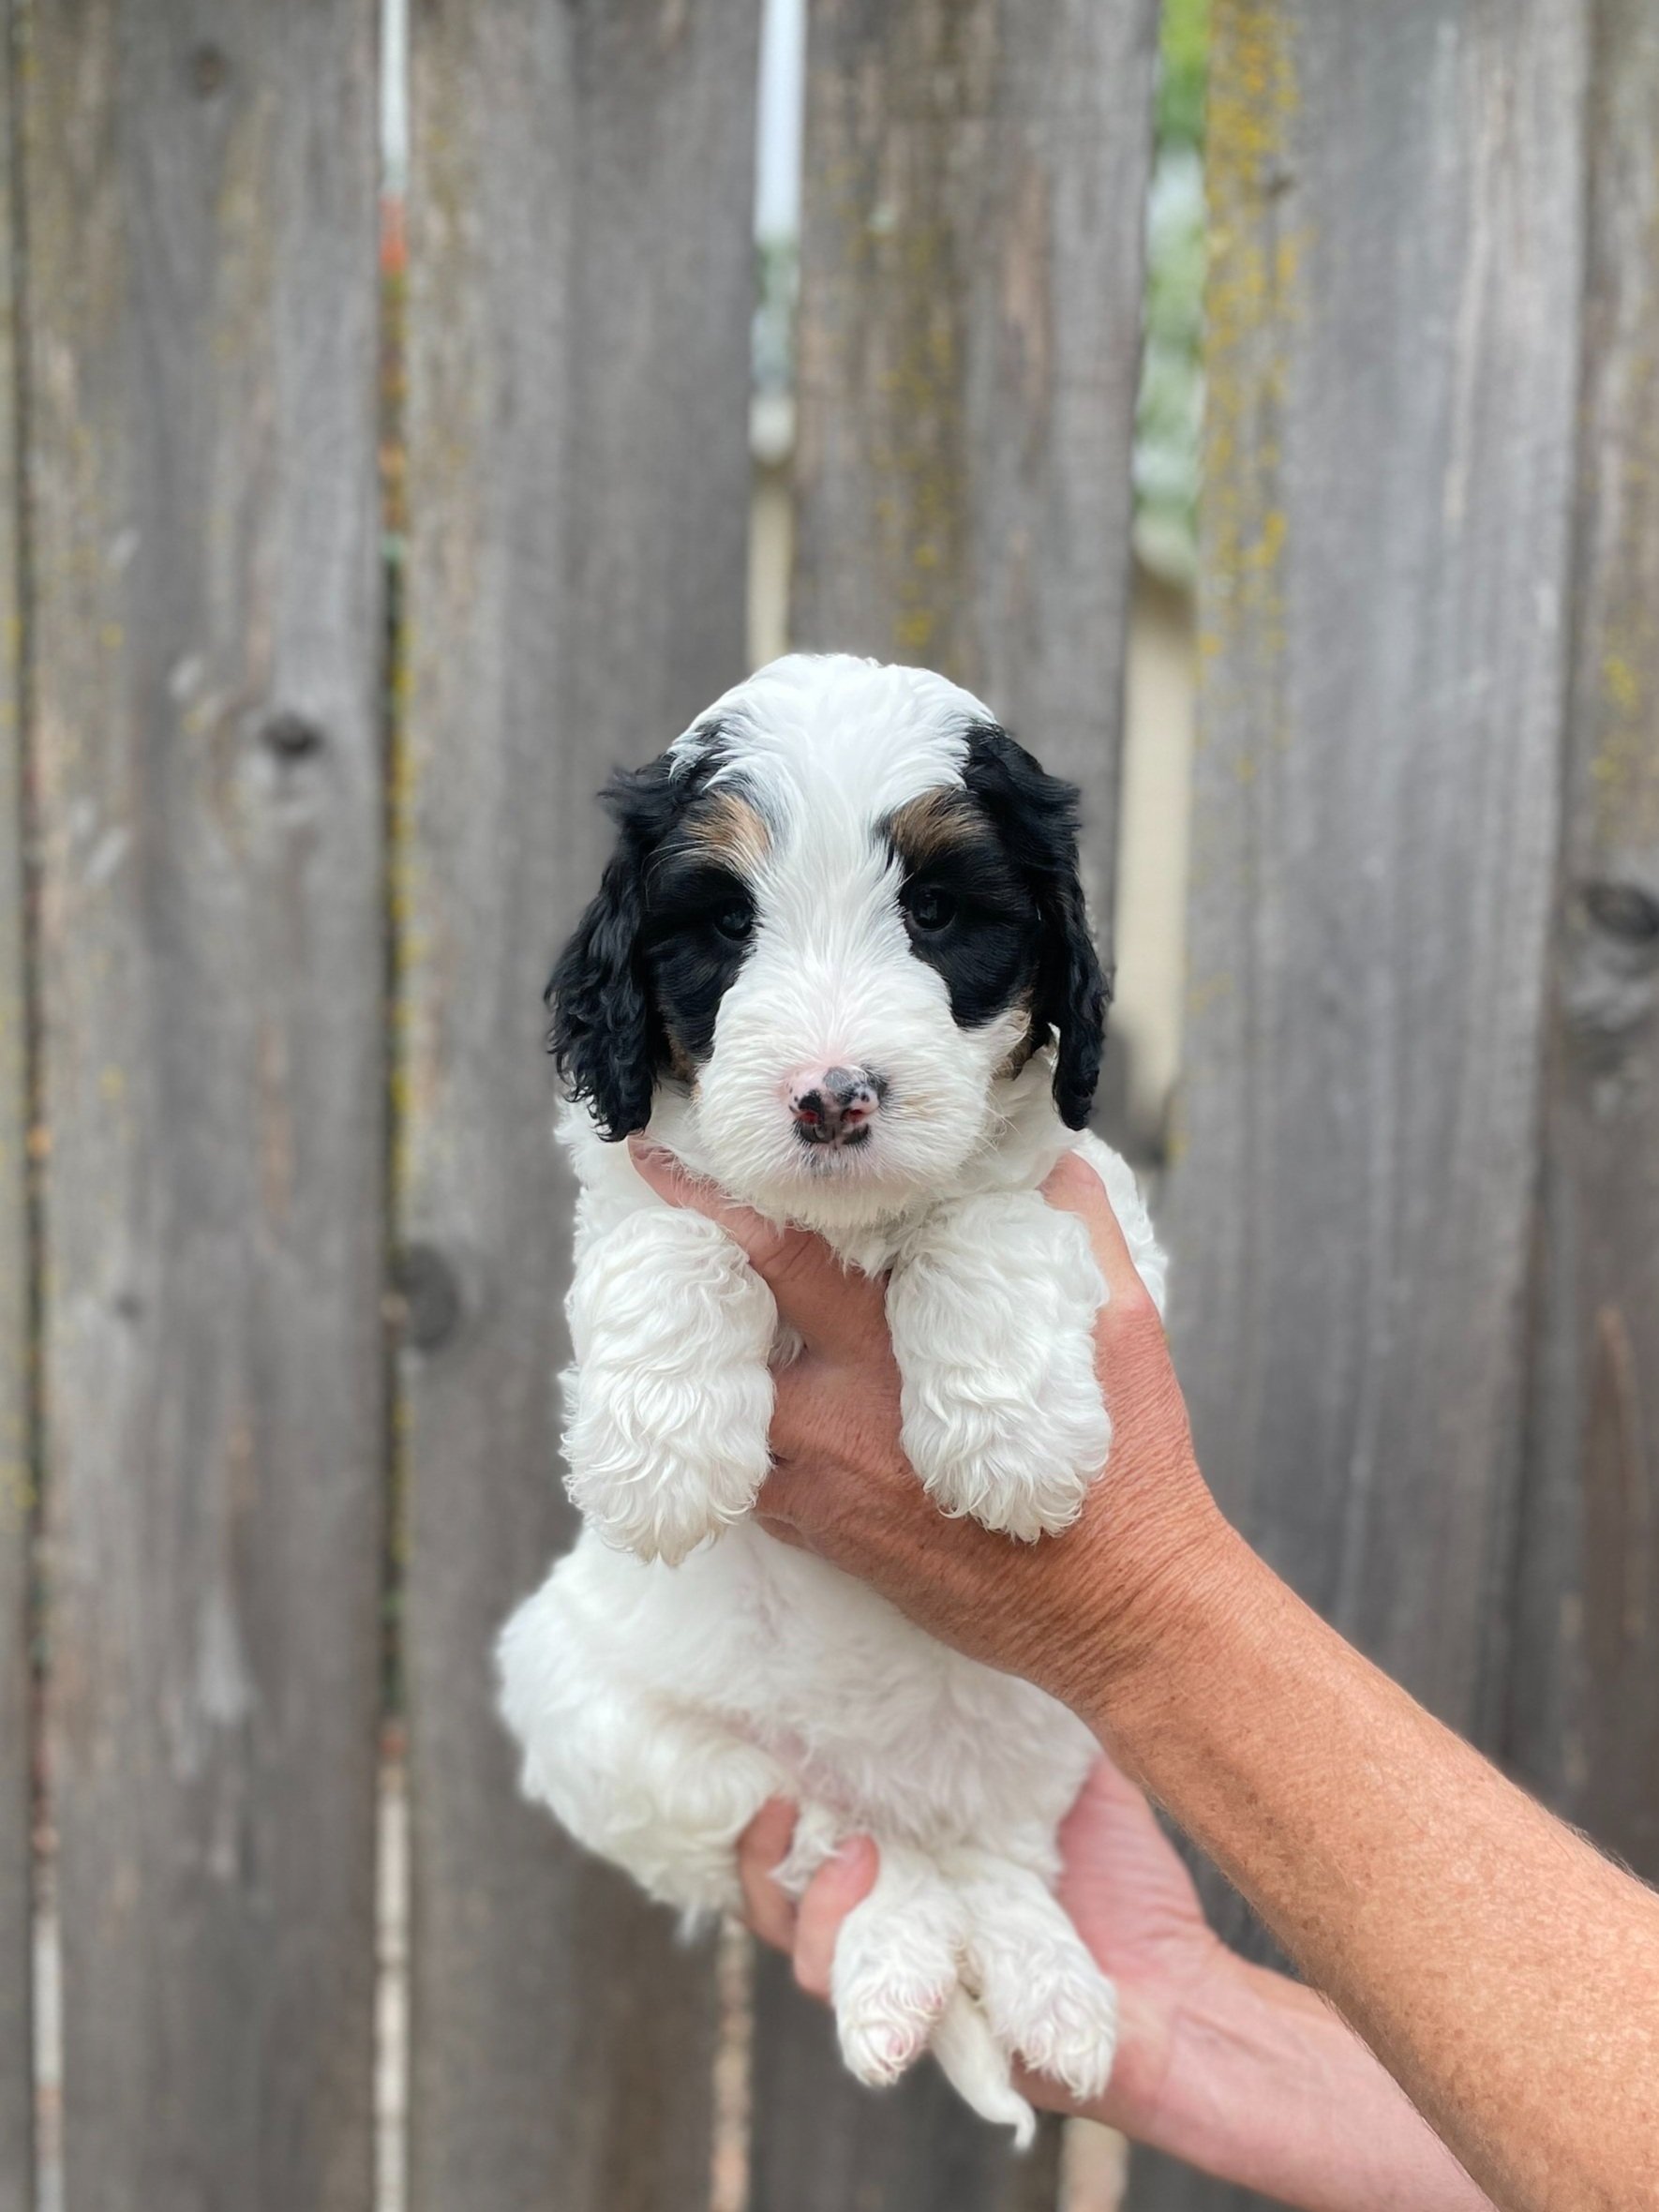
1074 1187
832 1306
762 1849
841 1883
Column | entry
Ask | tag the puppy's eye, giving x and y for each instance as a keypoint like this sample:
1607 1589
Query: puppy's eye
734 922
929 907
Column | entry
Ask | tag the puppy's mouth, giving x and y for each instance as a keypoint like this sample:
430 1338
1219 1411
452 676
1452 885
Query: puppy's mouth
824 1144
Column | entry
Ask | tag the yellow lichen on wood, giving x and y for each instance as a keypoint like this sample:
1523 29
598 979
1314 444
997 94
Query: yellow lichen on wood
1252 301
918 517
1622 703
1257 256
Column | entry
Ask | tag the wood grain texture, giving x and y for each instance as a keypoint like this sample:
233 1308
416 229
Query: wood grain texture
968 346
17 1443
823 2142
206 654
1392 360
1392 370
1584 1723
579 479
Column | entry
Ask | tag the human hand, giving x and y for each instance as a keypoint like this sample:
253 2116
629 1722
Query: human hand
1237 2070
1074 1613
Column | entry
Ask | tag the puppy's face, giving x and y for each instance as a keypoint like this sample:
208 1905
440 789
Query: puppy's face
843 913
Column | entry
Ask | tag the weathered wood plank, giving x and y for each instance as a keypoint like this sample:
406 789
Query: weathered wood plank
968 346
1392 361
969 338
1391 378
1584 1724
202 378
823 2142
581 271
17 1471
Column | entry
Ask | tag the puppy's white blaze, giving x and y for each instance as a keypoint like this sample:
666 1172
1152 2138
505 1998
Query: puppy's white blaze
794 717
659 1705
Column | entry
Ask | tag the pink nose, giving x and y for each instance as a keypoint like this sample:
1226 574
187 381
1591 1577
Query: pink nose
834 1105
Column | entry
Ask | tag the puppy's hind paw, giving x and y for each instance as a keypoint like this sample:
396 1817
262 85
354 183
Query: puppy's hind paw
1041 1990
883 2031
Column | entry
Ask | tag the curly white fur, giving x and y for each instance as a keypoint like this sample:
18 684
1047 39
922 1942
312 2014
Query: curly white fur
663 1685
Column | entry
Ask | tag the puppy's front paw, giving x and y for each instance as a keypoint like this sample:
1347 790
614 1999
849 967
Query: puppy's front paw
660 1495
992 1311
671 1397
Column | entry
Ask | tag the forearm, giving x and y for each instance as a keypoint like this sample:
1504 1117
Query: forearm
1505 1974
1268 2089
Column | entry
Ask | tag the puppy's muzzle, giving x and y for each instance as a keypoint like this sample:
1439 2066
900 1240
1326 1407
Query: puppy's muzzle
835 1105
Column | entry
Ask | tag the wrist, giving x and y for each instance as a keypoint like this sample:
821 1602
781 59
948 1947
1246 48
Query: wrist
1165 1628
1269 2090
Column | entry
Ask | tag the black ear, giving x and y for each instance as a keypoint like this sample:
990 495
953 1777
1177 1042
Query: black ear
605 1038
1037 814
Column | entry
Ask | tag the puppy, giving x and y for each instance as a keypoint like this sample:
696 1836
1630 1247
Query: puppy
839 964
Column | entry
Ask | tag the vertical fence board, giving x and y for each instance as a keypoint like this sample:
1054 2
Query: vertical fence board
823 2142
17 1472
1584 1716
202 225
1391 364
968 347
581 298
1391 375
1392 357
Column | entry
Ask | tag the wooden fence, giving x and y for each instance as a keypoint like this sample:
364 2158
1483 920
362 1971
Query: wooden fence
1416 1203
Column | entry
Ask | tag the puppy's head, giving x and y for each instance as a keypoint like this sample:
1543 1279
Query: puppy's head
841 915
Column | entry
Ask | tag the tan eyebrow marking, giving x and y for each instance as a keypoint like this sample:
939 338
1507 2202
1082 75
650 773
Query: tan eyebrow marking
731 831
940 821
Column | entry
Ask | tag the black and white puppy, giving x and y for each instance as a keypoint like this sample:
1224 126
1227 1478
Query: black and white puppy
839 965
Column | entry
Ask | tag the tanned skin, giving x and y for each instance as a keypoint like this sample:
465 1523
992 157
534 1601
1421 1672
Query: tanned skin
1503 1973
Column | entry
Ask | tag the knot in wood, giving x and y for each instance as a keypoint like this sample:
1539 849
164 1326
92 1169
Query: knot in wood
1612 969
1624 912
208 71
431 1295
291 736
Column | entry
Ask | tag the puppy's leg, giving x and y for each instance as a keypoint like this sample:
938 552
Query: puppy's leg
903 1980
670 1397
662 1789
1041 1990
895 1966
991 1306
